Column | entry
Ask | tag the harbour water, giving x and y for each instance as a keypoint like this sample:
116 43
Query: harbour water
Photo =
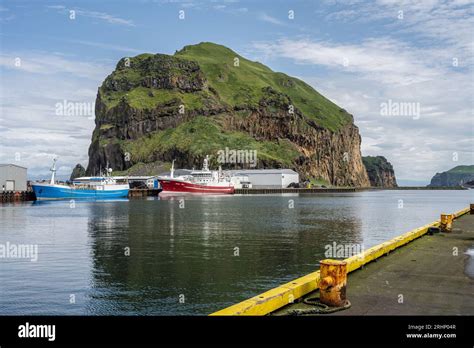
190 256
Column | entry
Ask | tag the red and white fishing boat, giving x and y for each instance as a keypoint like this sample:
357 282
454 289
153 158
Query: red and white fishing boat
202 181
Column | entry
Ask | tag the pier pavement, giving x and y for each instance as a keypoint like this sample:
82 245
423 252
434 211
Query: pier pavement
432 275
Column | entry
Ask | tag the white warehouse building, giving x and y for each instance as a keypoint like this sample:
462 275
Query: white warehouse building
12 177
268 178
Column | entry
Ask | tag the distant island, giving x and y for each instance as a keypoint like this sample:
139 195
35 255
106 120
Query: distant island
457 176
154 108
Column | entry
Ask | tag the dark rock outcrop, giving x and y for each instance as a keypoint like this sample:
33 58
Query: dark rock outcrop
77 172
380 171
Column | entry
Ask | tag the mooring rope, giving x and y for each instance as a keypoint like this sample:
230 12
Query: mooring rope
320 308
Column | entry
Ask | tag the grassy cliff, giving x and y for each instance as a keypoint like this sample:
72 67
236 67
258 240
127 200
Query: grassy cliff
206 97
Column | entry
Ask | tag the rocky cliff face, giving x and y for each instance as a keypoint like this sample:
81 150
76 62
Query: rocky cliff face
156 108
457 176
380 171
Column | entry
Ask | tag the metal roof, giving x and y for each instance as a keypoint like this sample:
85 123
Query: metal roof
178 172
262 171
10 164
83 178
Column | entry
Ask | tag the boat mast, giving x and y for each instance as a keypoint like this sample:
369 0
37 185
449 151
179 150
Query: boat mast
172 169
53 171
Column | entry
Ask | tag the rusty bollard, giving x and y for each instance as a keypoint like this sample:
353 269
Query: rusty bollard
446 222
332 286
472 209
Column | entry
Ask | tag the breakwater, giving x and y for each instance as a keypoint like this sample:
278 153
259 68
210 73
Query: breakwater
17 196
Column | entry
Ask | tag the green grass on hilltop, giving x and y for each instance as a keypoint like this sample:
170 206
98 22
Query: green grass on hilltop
462 170
243 85
235 85
141 98
203 136
376 162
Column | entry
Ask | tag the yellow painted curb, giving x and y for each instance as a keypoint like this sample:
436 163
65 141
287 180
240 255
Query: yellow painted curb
275 298
285 294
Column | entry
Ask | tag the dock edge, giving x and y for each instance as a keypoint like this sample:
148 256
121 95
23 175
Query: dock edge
285 294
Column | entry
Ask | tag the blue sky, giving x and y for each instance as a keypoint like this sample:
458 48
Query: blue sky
359 54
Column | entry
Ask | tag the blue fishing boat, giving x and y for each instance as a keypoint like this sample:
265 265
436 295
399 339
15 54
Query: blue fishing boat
100 187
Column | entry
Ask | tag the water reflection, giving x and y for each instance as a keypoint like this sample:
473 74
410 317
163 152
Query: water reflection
208 249
211 252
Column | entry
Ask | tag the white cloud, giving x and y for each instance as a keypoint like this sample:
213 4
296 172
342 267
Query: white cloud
29 124
231 10
381 59
267 18
57 7
5 14
41 63
94 14
106 17
443 21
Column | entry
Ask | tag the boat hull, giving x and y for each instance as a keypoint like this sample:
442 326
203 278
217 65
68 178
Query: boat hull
68 192
175 186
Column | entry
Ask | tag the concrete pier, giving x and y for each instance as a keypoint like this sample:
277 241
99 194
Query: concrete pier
19 196
429 276
424 271
335 189
293 190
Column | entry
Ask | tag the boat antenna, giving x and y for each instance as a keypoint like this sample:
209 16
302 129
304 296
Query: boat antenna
53 171
172 169
205 165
